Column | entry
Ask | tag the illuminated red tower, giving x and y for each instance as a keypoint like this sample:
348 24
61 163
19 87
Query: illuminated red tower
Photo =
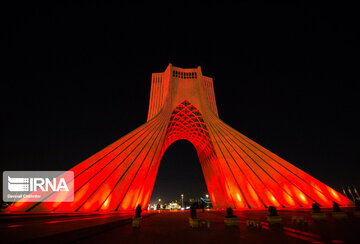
239 173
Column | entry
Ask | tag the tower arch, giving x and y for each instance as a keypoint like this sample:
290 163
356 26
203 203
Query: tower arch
186 122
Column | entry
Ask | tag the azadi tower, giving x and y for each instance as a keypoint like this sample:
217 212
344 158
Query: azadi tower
239 173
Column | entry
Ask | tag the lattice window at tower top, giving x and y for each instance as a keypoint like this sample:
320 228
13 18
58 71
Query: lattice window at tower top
184 75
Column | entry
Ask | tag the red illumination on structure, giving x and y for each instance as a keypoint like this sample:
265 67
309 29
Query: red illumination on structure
12 226
239 173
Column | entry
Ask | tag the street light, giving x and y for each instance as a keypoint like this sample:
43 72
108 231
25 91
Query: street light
207 204
182 200
159 200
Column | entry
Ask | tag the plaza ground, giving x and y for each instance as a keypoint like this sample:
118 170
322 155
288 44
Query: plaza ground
173 227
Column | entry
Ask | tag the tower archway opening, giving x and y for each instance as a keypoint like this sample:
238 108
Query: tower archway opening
186 126
179 173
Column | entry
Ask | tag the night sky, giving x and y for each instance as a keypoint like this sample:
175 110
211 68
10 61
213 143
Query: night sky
77 77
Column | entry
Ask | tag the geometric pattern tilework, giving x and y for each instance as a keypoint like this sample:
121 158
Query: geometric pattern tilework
186 122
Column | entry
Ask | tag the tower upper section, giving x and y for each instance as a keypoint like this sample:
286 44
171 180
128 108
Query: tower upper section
175 85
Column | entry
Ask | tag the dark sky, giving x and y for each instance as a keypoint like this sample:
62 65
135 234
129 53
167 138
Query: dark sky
77 77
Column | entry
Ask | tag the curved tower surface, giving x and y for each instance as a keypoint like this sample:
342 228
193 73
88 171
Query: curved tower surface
239 173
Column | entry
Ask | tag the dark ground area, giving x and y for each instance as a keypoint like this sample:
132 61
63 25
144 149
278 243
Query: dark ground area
173 227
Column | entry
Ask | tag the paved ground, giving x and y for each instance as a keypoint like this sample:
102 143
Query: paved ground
172 227
27 227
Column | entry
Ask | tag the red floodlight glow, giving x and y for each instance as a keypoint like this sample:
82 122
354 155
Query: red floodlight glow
239 173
